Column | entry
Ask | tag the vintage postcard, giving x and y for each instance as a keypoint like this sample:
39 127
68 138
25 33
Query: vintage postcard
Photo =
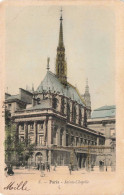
62 98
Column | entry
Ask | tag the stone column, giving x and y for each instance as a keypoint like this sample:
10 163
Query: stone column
26 133
35 133
64 138
69 138
49 132
78 143
74 142
19 128
58 137
45 129
107 135
78 160
71 110
86 141
49 157
77 113
65 110
107 131
97 141
17 133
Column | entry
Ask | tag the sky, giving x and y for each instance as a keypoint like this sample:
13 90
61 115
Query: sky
32 34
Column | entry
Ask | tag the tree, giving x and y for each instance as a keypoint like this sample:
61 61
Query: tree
24 152
15 152
9 138
29 151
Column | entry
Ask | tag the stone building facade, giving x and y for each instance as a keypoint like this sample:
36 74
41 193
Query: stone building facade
103 120
54 117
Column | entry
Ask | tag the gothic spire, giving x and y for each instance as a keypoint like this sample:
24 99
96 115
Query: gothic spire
87 86
61 31
61 66
48 66
87 99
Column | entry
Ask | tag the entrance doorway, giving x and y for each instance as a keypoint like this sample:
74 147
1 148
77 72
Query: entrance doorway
38 158
81 159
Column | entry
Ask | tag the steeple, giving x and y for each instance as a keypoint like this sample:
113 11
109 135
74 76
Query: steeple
87 99
61 66
48 66
87 87
61 31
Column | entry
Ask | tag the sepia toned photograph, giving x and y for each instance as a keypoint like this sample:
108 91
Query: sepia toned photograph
60 99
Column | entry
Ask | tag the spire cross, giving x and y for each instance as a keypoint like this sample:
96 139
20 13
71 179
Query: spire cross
61 14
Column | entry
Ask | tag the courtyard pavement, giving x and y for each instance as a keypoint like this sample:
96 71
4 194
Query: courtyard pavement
60 181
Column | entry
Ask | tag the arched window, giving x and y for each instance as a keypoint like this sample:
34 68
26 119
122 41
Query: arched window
85 118
74 113
62 105
80 116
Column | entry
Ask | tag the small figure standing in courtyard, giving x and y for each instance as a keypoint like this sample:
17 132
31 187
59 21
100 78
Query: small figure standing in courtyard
38 167
10 170
48 167
6 169
55 165
92 166
42 170
70 168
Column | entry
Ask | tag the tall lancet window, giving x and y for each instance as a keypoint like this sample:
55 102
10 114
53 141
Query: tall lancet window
68 111
80 116
74 113
62 105
61 135
54 103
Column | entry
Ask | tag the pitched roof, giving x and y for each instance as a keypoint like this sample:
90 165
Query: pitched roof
104 111
106 107
13 97
52 83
